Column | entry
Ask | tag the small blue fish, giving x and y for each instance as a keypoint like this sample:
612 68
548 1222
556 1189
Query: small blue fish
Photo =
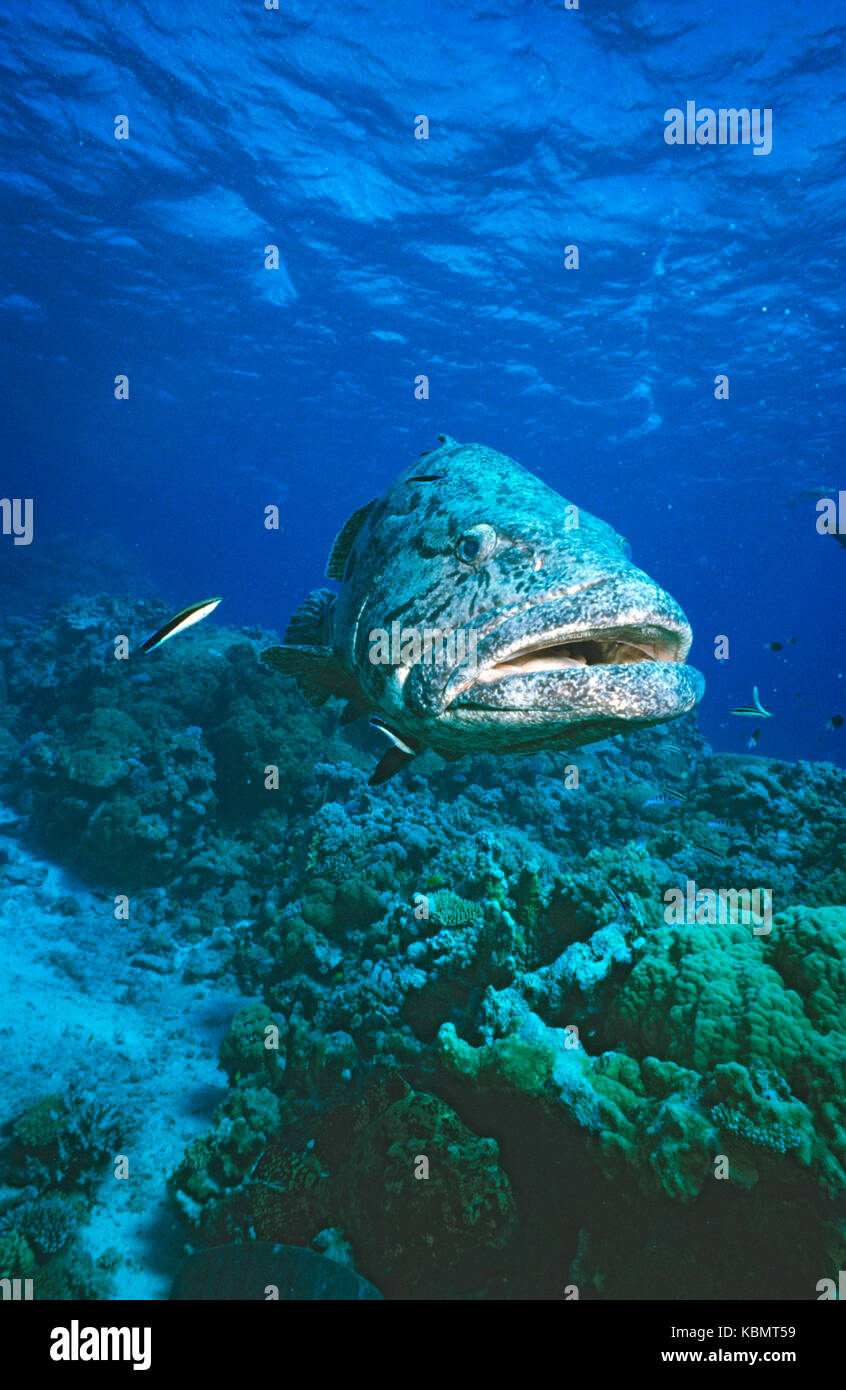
719 825
663 800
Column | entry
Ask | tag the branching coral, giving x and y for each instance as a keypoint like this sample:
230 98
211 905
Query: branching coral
66 1141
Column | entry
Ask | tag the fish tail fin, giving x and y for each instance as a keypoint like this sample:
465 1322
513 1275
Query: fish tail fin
391 763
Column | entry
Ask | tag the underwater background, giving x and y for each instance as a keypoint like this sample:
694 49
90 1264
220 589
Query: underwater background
608 1102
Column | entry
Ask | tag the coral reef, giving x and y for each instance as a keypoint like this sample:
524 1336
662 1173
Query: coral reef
64 1141
54 1155
588 1079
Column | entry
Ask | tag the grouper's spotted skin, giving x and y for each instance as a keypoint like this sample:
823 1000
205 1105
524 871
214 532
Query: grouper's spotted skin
572 642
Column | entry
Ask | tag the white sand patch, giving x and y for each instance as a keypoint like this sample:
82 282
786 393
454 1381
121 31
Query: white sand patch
73 1008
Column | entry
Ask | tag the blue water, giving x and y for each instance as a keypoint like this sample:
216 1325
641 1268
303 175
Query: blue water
294 386
251 387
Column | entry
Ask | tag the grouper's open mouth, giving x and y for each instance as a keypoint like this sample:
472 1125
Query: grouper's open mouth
632 671
621 646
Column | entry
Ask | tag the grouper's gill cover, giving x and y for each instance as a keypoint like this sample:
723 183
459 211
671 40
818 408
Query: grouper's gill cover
559 640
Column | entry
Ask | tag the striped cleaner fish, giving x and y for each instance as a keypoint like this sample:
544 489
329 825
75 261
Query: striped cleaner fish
753 711
663 800
186 617
557 639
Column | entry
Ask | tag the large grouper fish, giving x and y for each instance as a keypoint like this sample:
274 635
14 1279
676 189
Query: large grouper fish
546 635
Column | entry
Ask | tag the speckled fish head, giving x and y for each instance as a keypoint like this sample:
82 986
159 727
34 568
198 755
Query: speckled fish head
558 639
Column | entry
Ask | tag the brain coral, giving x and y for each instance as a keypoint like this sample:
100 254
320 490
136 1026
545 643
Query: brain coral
713 1050
762 1019
713 994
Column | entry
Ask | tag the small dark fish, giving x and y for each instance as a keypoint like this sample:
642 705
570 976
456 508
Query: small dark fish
835 722
623 902
774 646
705 850
427 478
194 613
673 791
242 1273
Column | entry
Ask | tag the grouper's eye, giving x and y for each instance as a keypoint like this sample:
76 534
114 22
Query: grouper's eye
476 544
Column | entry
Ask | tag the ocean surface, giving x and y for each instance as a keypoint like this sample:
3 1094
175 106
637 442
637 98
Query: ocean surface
260 258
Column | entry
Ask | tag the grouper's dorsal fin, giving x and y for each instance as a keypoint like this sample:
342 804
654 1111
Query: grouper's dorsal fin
316 670
311 624
345 540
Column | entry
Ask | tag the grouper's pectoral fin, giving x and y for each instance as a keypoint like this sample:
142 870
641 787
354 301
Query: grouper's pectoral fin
316 670
390 764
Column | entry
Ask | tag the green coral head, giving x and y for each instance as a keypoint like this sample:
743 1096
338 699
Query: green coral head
449 910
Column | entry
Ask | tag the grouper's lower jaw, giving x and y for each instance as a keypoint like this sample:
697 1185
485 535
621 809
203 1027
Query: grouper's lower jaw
644 692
